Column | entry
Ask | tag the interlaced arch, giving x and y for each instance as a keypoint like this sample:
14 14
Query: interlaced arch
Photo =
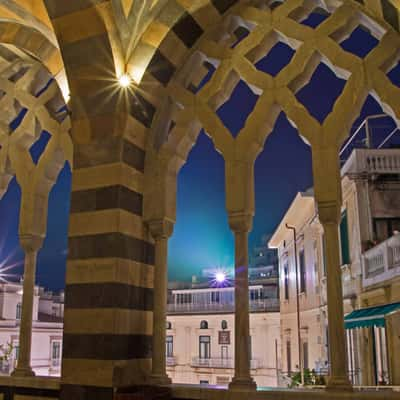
32 103
234 60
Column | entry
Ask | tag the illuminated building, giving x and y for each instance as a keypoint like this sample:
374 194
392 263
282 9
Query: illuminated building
370 268
200 331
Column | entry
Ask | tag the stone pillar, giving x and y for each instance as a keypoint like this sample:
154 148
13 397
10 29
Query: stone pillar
329 215
393 344
328 196
241 225
161 230
31 245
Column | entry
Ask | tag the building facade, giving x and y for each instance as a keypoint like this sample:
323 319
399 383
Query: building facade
369 257
47 329
200 331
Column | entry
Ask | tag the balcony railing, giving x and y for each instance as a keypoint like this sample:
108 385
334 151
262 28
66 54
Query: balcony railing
382 262
56 362
271 305
373 161
171 361
220 363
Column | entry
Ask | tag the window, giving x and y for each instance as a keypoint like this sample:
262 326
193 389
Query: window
168 325
169 346
250 348
323 255
327 343
286 281
55 353
18 311
305 355
344 239
203 382
315 250
203 325
224 352
385 228
288 357
16 353
204 347
224 325
302 262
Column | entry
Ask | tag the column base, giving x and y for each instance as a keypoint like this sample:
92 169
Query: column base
339 383
23 372
160 379
242 384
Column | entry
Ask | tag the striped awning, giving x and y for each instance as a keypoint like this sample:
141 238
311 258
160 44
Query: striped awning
371 316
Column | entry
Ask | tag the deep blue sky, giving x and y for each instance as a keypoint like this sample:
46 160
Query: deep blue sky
202 237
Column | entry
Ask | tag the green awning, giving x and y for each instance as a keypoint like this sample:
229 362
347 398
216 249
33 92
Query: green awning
371 316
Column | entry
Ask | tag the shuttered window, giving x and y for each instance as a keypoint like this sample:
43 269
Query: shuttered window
344 239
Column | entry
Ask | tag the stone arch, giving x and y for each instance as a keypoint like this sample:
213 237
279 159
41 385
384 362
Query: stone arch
164 45
187 101
313 46
32 96
35 43
32 78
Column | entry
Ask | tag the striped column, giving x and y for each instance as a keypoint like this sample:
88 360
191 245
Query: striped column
109 283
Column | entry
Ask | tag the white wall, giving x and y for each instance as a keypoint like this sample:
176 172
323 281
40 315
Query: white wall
264 329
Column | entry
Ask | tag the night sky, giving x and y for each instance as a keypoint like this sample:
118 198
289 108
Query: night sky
202 238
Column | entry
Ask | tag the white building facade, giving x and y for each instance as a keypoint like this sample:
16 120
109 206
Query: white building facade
47 329
201 335
370 264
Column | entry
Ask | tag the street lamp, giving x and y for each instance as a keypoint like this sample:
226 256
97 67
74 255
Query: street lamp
292 228
220 277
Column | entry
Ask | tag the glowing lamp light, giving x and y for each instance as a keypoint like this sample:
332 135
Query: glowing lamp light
125 80
220 277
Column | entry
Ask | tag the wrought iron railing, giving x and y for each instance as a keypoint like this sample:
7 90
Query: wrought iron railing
267 305
220 363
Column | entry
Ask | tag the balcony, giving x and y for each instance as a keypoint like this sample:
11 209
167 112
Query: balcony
372 161
382 262
263 305
220 363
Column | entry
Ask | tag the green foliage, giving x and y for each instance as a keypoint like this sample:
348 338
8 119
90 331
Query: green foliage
311 378
6 351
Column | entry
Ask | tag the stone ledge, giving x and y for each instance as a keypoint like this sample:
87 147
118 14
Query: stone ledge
36 382
210 392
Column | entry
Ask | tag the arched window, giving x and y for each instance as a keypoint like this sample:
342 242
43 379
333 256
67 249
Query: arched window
19 311
168 325
224 324
203 325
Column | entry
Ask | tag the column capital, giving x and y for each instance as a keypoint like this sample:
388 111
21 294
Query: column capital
240 221
329 211
30 242
161 228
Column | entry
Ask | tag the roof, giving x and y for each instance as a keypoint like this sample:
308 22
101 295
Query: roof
300 210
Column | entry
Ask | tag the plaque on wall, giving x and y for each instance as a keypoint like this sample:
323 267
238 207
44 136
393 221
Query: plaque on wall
224 337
